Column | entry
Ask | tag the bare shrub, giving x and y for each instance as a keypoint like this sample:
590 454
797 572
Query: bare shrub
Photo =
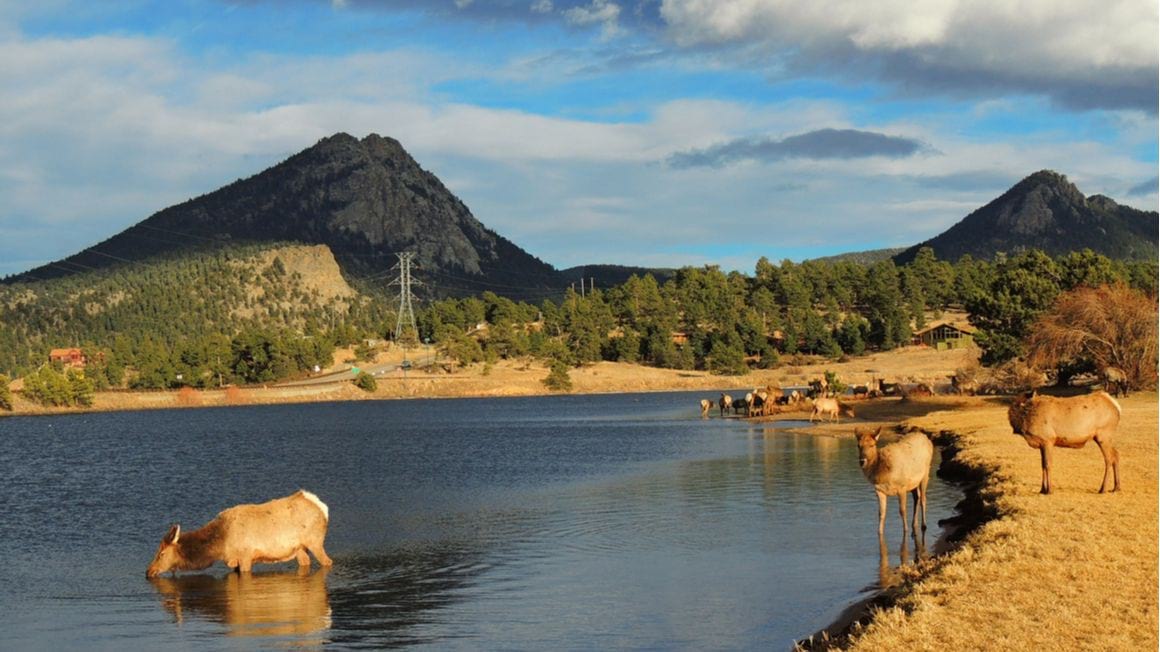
969 372
1011 377
188 397
1111 325
234 396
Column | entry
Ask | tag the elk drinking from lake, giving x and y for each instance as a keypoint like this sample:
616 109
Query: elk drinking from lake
275 531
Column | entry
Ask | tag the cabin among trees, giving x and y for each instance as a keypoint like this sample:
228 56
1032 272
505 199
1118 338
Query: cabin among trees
68 358
945 335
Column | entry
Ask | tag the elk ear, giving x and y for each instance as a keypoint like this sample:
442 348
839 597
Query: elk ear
173 534
877 433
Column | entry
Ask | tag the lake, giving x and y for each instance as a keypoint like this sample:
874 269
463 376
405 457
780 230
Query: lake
563 522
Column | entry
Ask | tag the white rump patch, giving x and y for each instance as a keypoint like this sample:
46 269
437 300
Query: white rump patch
1115 403
321 505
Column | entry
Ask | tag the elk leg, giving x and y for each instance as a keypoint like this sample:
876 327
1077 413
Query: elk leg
245 563
302 558
902 512
922 499
320 554
1116 467
1111 464
913 496
1045 461
881 512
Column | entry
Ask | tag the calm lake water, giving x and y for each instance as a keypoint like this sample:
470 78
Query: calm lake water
562 523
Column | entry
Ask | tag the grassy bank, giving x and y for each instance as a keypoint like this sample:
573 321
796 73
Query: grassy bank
1075 570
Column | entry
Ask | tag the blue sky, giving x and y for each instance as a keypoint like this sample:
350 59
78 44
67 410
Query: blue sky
642 132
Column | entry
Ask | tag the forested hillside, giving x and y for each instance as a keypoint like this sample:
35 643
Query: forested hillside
199 315
245 315
704 318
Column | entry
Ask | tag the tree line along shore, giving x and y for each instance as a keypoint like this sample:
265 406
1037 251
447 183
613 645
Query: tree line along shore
243 317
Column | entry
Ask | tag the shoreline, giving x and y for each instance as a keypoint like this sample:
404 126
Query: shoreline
1029 570
524 377
970 514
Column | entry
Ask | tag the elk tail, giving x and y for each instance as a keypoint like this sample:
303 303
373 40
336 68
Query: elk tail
317 502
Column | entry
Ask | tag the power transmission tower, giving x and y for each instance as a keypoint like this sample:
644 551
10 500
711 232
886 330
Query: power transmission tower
406 315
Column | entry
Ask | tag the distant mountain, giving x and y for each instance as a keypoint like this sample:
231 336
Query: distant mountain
1046 211
367 200
868 257
606 276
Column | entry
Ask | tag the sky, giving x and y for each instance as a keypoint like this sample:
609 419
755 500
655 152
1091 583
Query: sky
657 133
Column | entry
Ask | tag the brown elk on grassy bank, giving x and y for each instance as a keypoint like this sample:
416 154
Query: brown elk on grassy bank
275 531
832 407
1046 422
896 469
1115 381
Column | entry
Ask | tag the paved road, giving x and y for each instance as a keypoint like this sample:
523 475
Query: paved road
345 375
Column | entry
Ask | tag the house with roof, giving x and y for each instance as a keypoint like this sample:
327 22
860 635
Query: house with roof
944 335
72 357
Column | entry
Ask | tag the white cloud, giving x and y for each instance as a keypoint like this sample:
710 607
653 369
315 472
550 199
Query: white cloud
1038 32
114 128
1039 46
602 12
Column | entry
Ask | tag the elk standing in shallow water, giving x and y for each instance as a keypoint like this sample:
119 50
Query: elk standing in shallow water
725 402
896 469
275 531
1046 422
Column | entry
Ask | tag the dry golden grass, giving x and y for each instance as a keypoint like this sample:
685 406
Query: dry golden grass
1075 570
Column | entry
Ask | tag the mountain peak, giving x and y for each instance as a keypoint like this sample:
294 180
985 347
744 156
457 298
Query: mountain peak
366 199
1047 211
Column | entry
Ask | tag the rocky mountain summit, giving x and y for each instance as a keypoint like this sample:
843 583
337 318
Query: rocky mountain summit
1046 211
367 200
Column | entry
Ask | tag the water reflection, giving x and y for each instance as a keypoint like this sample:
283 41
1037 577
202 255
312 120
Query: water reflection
275 604
891 576
403 596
